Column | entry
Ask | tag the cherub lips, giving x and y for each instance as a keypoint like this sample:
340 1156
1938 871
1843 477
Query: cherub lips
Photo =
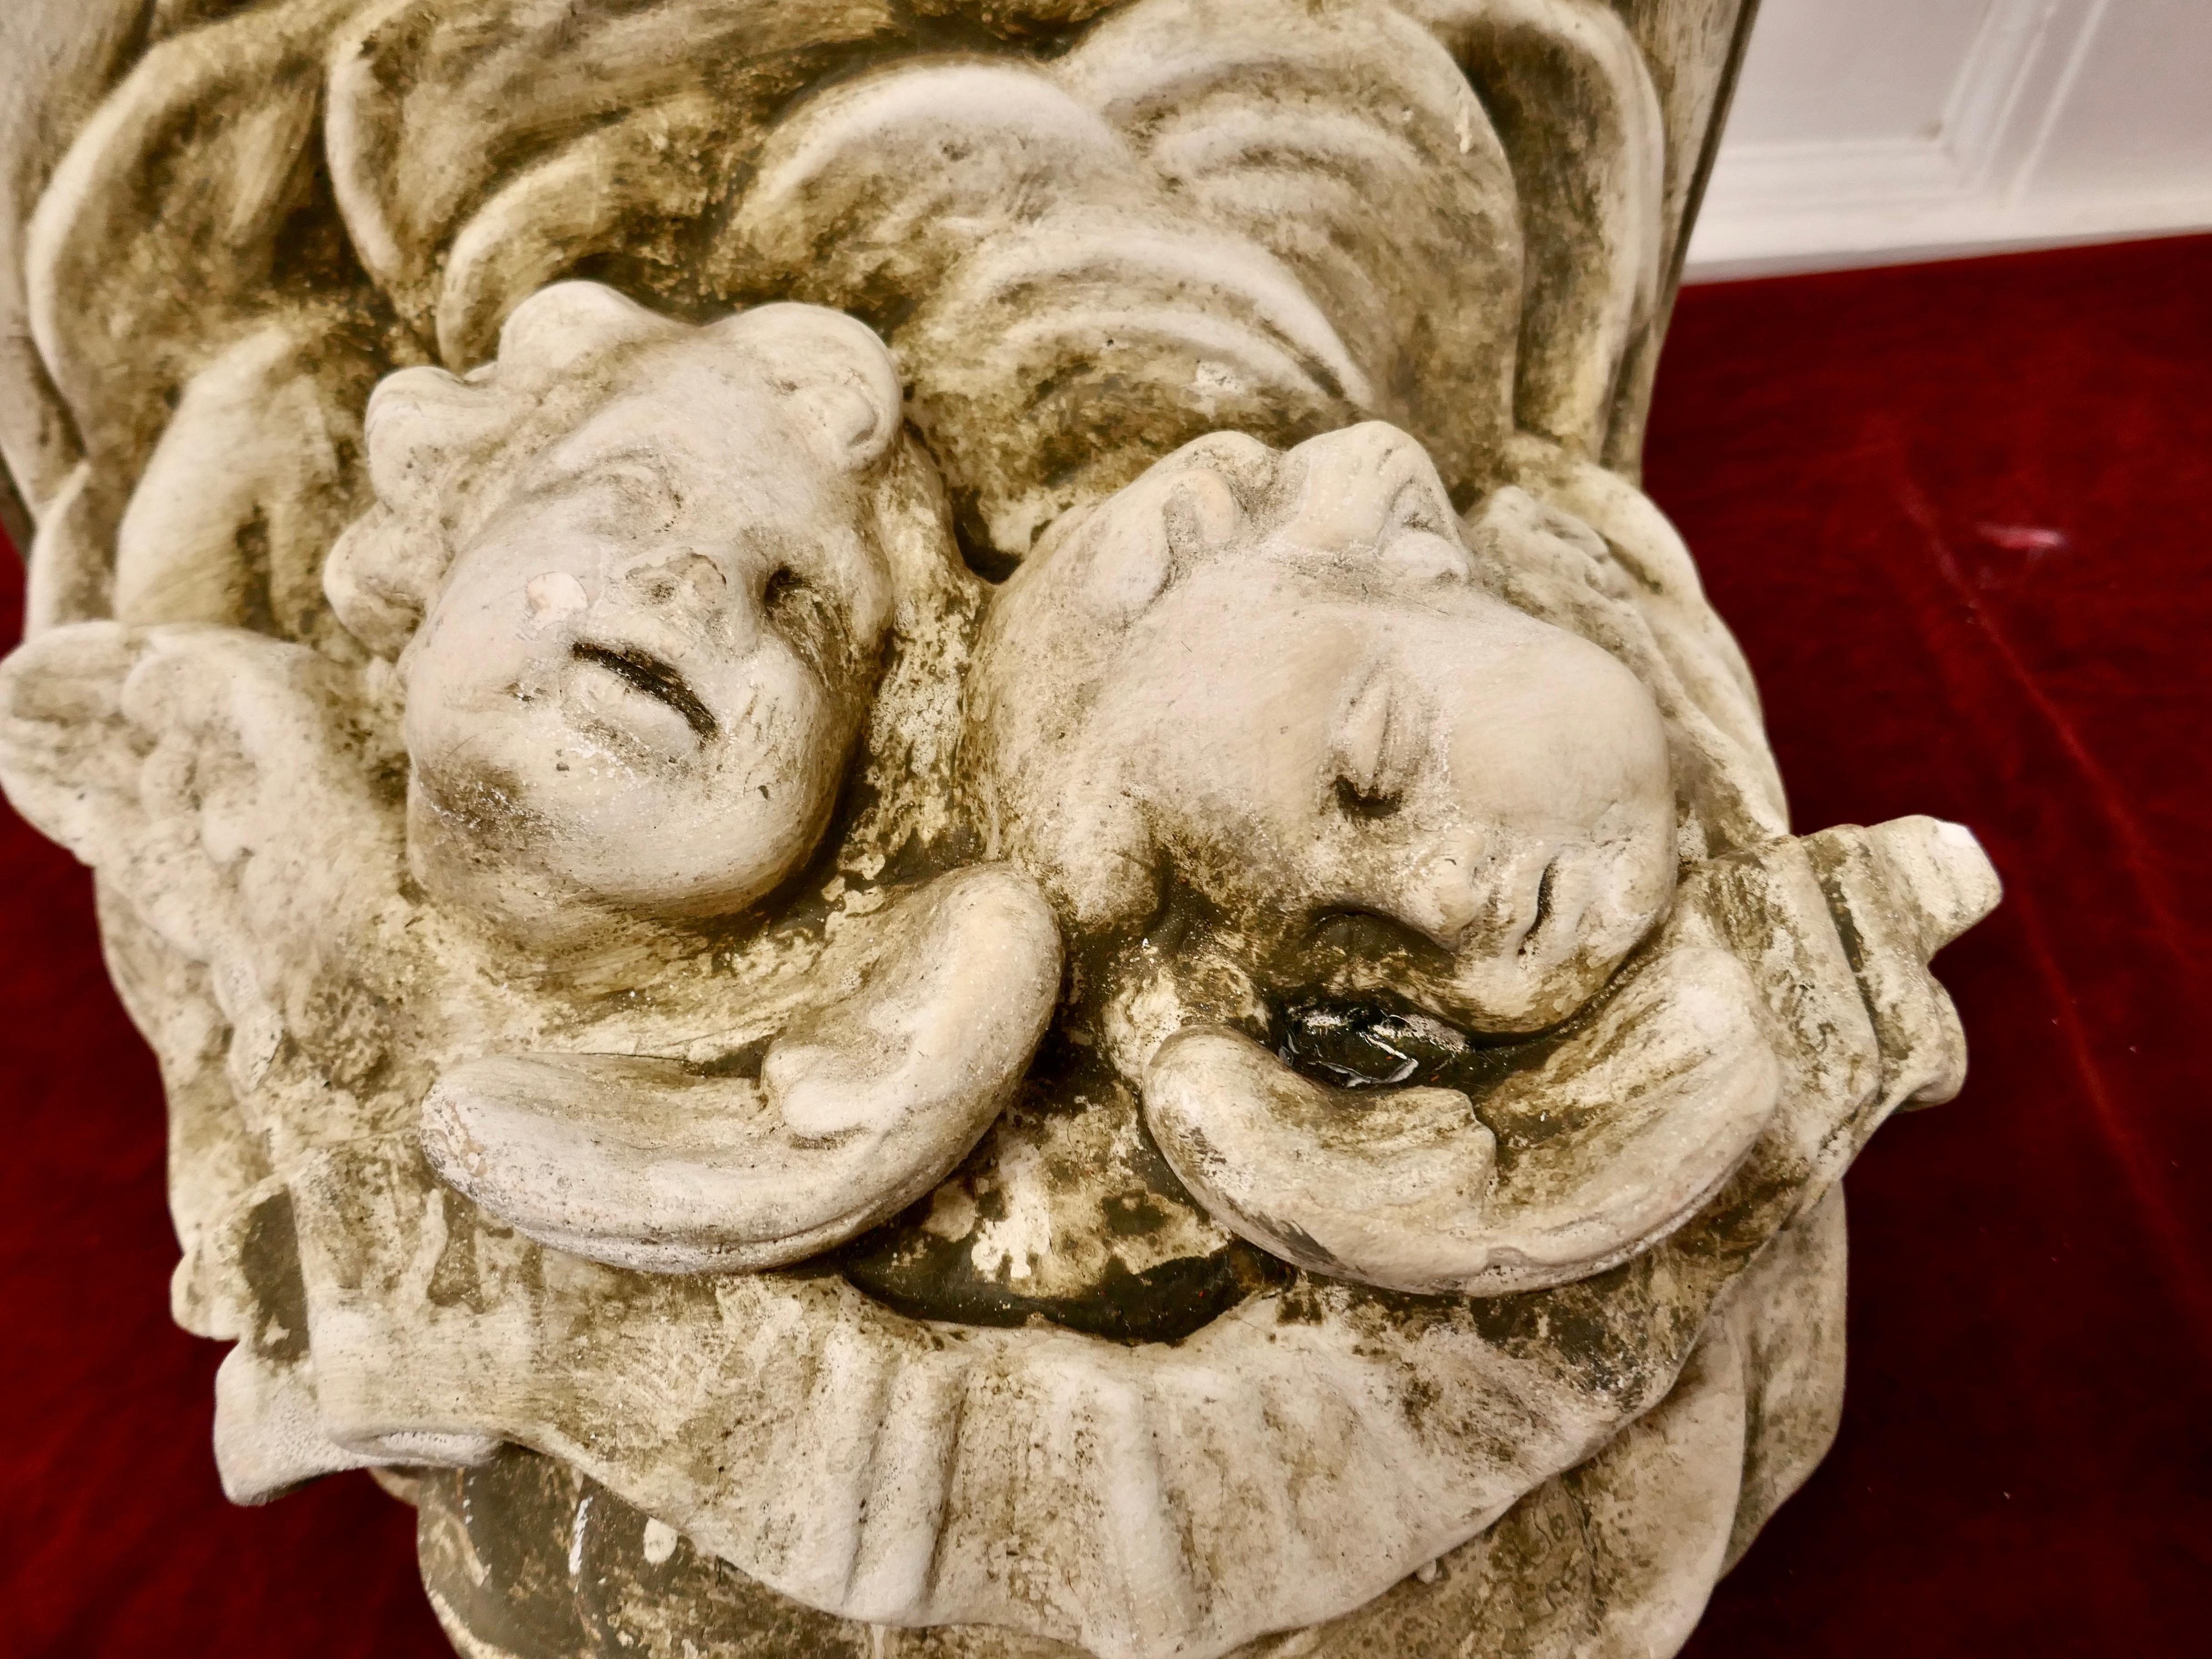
652 675
1497 980
1354 948
1364 931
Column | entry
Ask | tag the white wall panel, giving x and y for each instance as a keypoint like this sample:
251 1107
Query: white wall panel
1873 130
2138 116
1821 72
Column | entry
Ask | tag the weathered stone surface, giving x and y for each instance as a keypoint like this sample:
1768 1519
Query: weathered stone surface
930 855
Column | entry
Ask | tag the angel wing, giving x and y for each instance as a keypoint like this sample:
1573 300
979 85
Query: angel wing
255 475
481 149
1591 194
1064 317
222 786
1345 142
155 246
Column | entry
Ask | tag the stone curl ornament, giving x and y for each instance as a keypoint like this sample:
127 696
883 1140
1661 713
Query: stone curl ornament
930 855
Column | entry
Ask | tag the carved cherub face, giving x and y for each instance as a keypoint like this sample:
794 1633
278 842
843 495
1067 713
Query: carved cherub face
1311 715
638 674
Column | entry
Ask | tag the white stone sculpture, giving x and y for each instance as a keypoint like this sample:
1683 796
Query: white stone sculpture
930 854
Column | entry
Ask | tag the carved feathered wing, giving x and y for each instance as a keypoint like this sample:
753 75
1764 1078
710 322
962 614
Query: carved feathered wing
189 199
481 149
1590 190
1272 216
213 781
1346 141
1063 316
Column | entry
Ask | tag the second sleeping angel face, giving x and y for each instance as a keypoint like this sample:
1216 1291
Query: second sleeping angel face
1315 717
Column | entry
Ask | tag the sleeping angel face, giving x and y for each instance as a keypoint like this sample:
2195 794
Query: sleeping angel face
1276 755
1412 785
1312 716
639 610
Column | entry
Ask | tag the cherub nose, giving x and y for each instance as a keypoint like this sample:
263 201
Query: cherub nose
687 588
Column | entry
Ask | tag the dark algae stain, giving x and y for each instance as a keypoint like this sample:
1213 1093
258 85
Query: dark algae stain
924 1276
269 1255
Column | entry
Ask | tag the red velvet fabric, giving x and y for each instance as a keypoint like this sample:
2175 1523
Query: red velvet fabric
1956 514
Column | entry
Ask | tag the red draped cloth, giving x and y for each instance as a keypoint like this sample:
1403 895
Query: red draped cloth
1958 515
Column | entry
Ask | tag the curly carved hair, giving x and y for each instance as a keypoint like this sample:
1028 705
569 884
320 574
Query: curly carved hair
436 440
